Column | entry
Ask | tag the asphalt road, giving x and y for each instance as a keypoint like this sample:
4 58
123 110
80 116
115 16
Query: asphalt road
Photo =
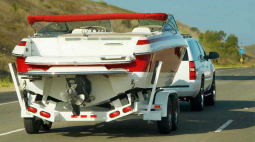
235 101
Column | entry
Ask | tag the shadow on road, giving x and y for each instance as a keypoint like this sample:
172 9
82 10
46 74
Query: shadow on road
190 122
235 78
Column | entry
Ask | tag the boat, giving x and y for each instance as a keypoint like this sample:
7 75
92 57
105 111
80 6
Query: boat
80 60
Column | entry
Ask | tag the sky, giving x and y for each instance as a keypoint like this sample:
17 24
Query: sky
232 16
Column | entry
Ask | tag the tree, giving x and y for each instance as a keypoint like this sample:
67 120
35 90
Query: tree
232 41
222 35
194 29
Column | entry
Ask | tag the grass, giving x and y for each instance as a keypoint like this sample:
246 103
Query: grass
250 50
5 79
231 66
5 83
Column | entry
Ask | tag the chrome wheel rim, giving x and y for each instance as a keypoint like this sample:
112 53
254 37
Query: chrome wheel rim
176 117
214 92
170 120
202 97
170 117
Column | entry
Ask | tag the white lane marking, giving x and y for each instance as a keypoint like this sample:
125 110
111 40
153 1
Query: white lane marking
224 126
11 132
237 75
246 108
9 103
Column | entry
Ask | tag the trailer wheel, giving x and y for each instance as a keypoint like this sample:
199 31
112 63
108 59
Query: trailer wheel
175 114
46 126
165 125
197 103
210 100
32 125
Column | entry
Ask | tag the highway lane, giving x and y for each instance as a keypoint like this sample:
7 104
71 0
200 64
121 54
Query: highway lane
6 97
235 101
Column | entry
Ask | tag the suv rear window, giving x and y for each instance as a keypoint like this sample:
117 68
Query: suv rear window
194 50
185 57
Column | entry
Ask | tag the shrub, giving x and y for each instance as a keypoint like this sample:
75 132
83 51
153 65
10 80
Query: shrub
47 6
15 6
194 29
103 3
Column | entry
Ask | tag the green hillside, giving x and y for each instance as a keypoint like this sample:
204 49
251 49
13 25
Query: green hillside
250 54
250 50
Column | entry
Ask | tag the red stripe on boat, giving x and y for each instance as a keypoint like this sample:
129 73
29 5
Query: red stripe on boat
141 64
93 17
22 67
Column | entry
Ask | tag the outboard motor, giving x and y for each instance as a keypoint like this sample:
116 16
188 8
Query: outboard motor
79 89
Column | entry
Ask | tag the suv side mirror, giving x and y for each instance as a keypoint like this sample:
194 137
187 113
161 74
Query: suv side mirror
213 55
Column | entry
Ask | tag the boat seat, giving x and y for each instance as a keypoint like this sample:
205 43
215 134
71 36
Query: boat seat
141 30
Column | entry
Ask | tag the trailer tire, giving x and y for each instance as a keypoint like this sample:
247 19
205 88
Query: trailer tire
175 114
32 125
197 103
211 99
165 124
46 126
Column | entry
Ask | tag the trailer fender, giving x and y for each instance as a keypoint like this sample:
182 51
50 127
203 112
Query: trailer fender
162 99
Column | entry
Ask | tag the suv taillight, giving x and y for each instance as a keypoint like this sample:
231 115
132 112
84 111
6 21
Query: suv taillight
192 70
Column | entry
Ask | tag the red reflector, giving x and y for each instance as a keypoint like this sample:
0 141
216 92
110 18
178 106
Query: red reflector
115 114
31 109
157 106
83 116
93 116
127 109
45 114
191 64
142 42
22 43
192 75
74 116
192 70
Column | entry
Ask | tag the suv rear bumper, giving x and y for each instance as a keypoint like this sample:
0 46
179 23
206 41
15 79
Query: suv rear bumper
189 90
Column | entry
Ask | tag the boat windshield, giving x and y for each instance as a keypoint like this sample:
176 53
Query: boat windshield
68 27
46 29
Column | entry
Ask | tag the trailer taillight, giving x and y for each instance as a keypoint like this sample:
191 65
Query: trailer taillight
192 70
22 43
93 116
74 116
45 114
83 116
114 114
31 109
157 106
127 109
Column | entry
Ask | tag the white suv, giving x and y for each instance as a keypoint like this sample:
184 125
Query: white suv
195 78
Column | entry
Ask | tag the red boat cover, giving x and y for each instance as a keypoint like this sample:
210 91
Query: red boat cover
93 17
